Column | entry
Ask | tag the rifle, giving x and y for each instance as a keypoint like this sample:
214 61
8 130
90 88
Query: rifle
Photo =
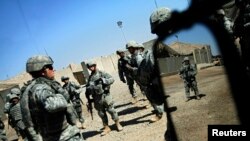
83 86
90 108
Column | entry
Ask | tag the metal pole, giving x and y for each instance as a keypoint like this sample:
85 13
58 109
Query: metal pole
124 36
177 37
119 23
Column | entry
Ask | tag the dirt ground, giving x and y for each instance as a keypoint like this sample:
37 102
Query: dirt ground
191 119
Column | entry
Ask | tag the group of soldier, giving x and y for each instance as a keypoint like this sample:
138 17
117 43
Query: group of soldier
45 110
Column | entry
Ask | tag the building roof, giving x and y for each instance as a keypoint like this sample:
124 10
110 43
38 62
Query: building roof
186 48
150 44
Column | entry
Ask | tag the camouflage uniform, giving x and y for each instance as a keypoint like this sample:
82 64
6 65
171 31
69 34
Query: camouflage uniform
123 71
143 67
242 30
74 95
15 116
187 73
159 16
98 86
47 103
3 136
15 91
14 112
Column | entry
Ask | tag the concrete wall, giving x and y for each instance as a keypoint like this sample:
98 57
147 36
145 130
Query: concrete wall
105 63
203 55
168 66
171 65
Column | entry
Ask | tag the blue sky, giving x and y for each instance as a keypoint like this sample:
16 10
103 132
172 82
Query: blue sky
71 31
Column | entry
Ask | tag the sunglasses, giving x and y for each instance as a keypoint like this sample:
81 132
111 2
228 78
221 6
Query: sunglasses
50 67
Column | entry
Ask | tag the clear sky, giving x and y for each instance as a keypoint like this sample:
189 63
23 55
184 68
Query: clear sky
71 31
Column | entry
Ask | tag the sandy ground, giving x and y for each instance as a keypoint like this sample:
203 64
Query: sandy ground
191 118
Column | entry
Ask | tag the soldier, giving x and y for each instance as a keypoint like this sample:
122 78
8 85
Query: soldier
124 72
143 68
47 103
13 110
187 73
141 48
98 86
74 94
15 115
241 30
227 22
15 91
157 17
3 136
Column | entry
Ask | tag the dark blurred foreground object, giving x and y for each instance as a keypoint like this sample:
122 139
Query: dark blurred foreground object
200 12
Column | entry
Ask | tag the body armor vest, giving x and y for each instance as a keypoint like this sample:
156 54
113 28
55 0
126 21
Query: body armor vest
46 123
97 88
15 112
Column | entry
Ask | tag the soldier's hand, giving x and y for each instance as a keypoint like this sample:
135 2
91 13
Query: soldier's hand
99 81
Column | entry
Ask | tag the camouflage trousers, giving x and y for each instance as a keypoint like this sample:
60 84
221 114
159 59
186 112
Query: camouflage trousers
191 85
78 108
130 83
19 128
104 103
155 99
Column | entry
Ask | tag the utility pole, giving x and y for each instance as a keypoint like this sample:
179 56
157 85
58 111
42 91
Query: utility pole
177 37
119 23
156 5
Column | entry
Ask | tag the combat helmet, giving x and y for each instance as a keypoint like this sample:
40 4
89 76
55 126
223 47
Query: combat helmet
132 44
159 16
185 59
36 63
16 91
119 51
141 46
64 78
90 64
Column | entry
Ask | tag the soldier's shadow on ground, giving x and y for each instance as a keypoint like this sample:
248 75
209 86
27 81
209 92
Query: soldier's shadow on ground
122 105
89 134
133 121
171 109
130 110
200 95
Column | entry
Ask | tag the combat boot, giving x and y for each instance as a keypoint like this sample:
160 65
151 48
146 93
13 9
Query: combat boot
118 125
106 130
83 126
156 118
197 95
